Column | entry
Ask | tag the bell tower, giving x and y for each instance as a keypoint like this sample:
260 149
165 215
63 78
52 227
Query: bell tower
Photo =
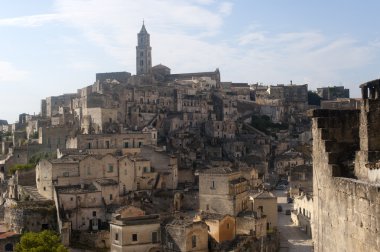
143 52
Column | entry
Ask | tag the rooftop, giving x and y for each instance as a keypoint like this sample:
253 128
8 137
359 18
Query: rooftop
263 195
238 181
220 170
212 216
8 234
106 182
138 220
76 188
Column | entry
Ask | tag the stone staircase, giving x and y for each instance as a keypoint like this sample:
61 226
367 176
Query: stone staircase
34 194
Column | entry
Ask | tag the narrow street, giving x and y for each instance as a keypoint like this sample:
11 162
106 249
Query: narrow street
292 238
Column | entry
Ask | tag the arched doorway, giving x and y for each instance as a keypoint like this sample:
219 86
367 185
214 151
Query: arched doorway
8 247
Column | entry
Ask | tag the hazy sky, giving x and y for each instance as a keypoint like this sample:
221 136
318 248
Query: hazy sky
49 47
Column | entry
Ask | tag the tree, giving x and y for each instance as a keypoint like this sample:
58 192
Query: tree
45 241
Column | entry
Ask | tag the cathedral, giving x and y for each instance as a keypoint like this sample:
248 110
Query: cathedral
160 72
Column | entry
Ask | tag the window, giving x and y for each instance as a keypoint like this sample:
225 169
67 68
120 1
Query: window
71 198
228 225
110 196
116 236
212 185
145 169
141 54
170 245
94 213
44 188
125 144
141 62
110 168
65 174
134 237
193 241
154 237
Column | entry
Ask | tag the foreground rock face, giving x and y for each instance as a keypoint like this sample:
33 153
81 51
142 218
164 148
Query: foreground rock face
346 179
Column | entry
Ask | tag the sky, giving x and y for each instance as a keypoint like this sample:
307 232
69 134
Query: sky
52 47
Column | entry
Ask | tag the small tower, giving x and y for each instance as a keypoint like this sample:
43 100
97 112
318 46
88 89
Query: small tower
143 52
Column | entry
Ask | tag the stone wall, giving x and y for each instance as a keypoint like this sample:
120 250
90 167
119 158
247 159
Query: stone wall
53 137
26 177
30 216
248 225
346 210
119 76
96 239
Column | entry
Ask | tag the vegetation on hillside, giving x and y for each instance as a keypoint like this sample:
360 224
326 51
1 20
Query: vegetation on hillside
18 167
264 124
33 161
45 241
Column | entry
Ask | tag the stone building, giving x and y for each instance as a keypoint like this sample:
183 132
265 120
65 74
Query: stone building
81 205
285 161
240 90
102 120
302 213
188 76
265 203
251 223
332 93
220 227
222 190
56 172
54 138
164 164
135 233
131 139
221 129
33 216
282 102
8 241
184 234
341 103
136 173
300 179
53 103
346 147
121 77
